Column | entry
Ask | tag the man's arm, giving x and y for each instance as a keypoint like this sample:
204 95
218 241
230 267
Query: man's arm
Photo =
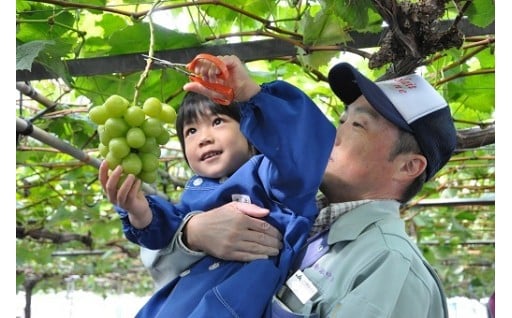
233 232
230 232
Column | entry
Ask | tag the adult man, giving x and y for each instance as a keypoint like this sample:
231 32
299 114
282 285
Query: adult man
393 136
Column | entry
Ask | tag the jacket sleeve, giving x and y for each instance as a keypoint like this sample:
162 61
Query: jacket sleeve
284 124
167 218
166 264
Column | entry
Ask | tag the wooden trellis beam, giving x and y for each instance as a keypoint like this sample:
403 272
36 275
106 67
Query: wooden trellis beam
246 51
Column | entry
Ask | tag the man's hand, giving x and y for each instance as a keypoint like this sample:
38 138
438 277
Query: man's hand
233 232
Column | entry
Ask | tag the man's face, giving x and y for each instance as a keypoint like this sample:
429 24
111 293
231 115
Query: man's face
359 166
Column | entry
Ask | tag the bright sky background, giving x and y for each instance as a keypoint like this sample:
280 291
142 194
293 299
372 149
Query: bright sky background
79 304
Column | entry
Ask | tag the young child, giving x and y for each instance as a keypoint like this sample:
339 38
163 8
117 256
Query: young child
294 144
204 128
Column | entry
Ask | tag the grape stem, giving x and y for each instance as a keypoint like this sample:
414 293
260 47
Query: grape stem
151 52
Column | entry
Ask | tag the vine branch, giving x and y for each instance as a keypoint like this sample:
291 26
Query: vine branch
58 238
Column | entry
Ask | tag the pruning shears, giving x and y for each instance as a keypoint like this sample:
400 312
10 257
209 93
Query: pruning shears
187 69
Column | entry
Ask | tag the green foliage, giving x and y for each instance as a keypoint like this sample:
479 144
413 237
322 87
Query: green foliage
60 206
27 53
47 53
43 22
135 38
481 12
328 29
358 14
22 6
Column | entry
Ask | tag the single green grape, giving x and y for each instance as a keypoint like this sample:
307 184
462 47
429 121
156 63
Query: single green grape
116 127
112 161
104 136
118 147
148 176
149 161
152 127
152 107
167 114
135 137
116 105
163 138
103 149
149 145
131 164
134 116
98 115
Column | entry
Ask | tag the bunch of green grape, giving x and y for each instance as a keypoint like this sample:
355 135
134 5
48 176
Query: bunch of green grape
131 135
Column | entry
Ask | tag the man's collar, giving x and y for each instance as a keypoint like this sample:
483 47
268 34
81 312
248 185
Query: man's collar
329 213
354 221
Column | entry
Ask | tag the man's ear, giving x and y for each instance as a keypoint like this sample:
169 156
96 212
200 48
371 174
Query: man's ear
412 165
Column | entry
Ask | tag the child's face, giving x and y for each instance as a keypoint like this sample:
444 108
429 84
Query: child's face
214 146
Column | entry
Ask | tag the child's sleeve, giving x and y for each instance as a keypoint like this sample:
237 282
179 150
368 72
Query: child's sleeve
284 124
167 218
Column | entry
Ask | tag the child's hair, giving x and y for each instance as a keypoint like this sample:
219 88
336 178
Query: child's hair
193 106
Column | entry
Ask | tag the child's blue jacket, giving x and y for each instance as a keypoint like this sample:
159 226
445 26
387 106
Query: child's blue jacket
295 140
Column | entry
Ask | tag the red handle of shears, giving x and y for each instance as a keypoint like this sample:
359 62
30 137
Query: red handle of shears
225 91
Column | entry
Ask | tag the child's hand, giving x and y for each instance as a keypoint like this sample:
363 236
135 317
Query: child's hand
127 196
243 85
